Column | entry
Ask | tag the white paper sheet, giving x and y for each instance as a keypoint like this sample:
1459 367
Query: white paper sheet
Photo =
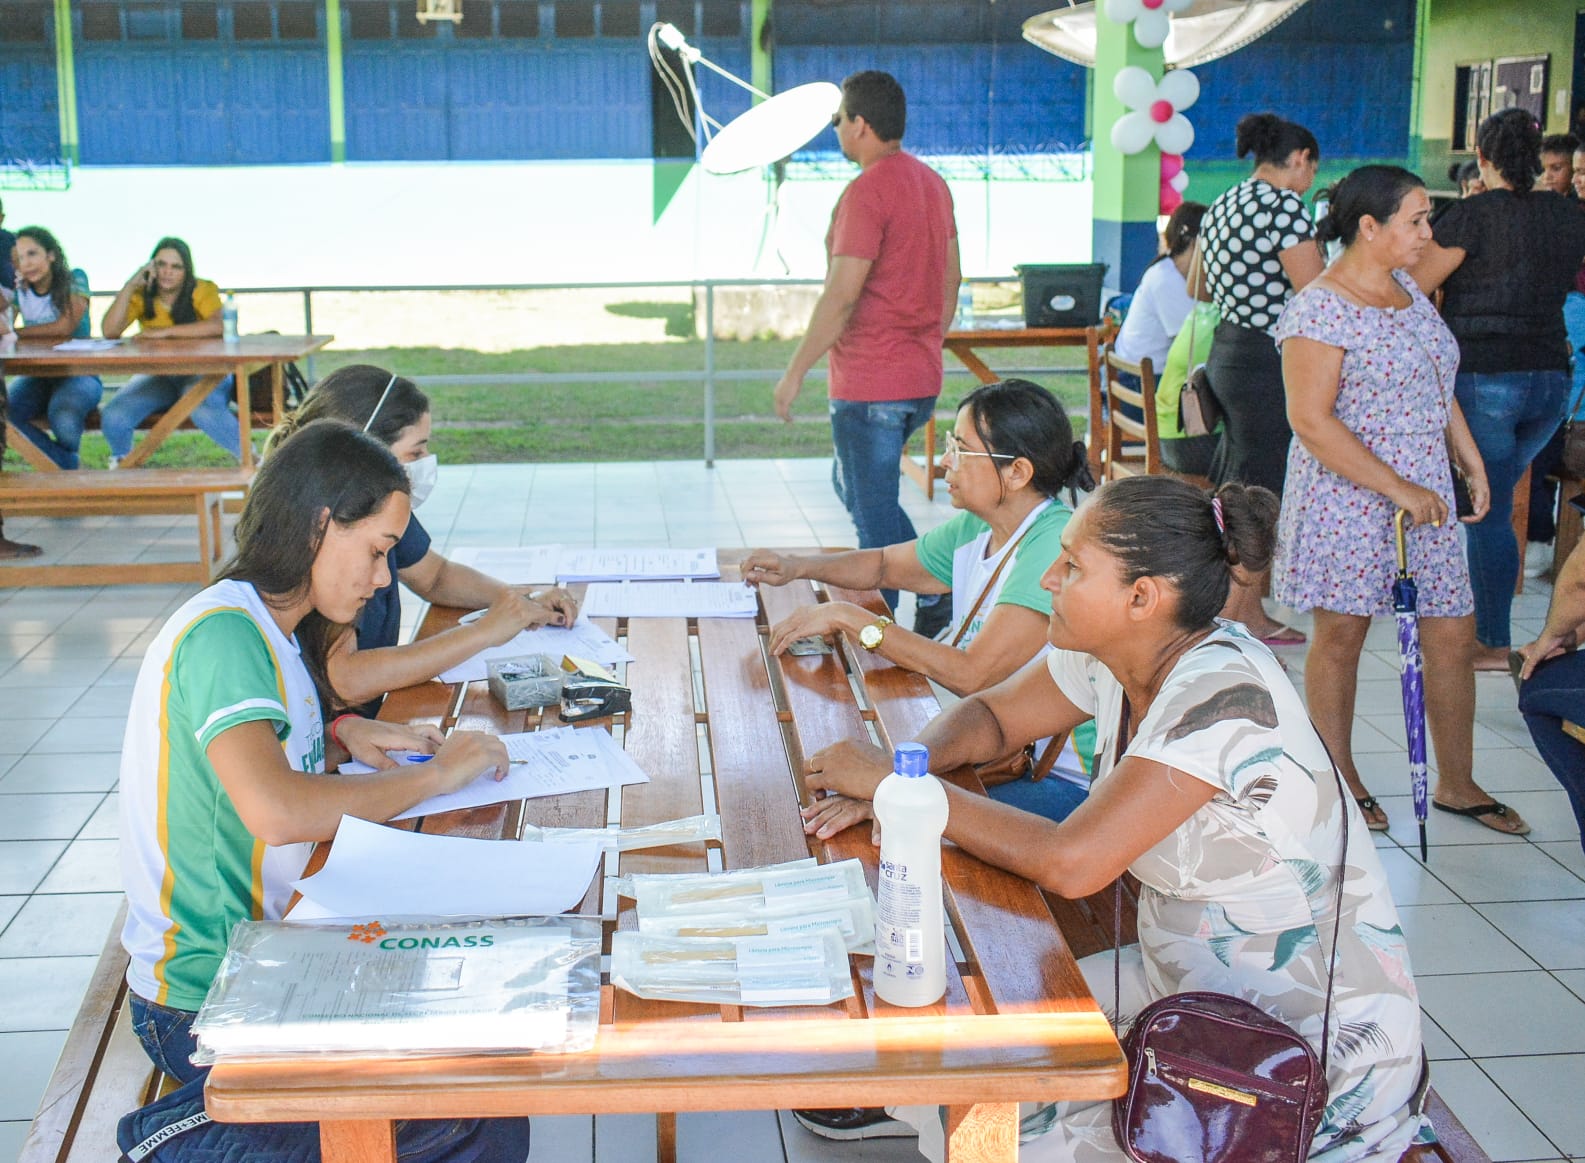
583 639
516 565
623 564
670 600
378 871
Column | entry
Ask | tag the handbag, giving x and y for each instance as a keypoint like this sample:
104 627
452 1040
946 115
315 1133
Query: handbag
1215 1079
1198 412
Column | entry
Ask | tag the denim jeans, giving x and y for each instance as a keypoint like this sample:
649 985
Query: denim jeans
1555 692
1511 415
167 1037
868 437
142 396
66 400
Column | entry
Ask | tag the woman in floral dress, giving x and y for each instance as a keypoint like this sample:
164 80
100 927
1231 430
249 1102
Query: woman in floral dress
1212 788
1369 368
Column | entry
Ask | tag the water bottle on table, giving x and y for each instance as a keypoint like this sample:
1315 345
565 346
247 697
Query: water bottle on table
910 951
228 318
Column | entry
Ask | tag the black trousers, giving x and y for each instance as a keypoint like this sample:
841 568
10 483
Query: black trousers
1245 371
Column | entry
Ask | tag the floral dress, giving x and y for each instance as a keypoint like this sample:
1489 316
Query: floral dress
1239 899
1335 543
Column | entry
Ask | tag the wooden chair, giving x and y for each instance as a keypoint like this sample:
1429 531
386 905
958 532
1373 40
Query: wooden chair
1132 446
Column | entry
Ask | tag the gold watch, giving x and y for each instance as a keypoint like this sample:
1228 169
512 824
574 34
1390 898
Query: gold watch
870 637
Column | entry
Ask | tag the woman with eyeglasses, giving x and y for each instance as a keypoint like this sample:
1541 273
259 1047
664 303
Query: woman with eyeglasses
1009 456
167 301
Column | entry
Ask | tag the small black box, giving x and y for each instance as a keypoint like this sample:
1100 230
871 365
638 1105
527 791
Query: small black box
1066 295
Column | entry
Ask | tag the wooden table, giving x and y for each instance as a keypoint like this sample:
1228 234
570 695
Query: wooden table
964 345
211 360
715 725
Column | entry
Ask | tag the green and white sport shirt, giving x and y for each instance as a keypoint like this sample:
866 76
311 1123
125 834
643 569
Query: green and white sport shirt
190 867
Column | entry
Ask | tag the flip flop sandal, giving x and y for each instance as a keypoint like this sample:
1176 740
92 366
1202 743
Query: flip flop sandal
1479 812
1367 805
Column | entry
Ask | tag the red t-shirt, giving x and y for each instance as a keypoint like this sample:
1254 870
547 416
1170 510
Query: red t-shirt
898 215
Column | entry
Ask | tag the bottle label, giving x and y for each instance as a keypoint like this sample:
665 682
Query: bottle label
899 915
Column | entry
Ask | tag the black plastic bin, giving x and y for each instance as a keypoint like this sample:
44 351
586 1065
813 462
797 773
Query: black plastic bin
1062 295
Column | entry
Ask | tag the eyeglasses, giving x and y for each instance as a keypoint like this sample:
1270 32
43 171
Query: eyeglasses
954 448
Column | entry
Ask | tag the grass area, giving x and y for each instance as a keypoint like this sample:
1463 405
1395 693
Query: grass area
641 419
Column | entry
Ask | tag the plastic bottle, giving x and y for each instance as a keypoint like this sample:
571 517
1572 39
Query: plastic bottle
910 949
228 318
965 317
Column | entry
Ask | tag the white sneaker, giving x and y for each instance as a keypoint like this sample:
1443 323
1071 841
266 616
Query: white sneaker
1537 558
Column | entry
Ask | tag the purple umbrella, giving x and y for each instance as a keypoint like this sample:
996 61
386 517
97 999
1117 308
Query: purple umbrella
1406 608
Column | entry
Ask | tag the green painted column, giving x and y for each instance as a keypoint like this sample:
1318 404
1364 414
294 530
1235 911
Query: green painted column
66 82
760 55
338 106
1127 189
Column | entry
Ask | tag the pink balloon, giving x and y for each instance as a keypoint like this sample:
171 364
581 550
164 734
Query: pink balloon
1161 112
1170 200
1171 166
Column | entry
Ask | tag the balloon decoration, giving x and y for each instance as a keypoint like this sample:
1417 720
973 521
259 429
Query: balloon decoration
1173 182
1151 18
1155 110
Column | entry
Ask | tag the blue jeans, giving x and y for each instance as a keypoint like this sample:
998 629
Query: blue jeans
167 1037
1556 691
868 438
66 400
1511 415
142 396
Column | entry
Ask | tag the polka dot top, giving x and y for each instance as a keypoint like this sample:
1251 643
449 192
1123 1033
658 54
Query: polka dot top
1244 231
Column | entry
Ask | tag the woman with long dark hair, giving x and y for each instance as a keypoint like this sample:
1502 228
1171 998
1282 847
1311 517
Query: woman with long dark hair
167 300
1505 260
52 302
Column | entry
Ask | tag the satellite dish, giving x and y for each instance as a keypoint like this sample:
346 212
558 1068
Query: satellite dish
1208 30
774 129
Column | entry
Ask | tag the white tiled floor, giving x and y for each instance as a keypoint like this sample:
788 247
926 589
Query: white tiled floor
1496 925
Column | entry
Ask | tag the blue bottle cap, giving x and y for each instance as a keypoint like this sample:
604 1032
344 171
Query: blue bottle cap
911 760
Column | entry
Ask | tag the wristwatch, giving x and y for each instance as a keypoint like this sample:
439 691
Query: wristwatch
870 637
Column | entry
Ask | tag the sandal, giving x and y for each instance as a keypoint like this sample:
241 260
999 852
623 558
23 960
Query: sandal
1479 812
1370 809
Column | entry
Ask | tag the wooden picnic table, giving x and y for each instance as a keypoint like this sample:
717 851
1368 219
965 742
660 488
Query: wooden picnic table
211 360
965 345
717 724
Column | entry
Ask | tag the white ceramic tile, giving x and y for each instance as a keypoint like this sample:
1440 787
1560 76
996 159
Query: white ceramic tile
1548 1086
1552 931
30 1060
63 773
80 733
1456 939
24 863
1489 1014
42 993
47 816
86 866
1498 1126
61 925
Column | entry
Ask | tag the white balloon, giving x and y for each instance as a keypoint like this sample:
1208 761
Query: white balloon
1151 29
1122 11
1174 136
1181 87
1134 87
1179 181
1132 132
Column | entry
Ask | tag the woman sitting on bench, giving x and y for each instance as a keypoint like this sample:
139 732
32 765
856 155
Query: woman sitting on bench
1009 458
1213 789
167 301
367 662
52 302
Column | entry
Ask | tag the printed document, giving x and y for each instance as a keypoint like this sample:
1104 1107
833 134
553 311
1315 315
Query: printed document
683 599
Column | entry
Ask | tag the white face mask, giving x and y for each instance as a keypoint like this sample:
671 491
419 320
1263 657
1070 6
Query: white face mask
422 475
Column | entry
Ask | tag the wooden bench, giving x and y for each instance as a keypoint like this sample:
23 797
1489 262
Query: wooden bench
1088 926
102 1073
123 493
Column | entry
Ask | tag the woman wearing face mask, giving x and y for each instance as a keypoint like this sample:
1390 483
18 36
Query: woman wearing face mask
365 663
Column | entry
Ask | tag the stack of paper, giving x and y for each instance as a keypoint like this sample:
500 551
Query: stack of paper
670 600
636 564
375 871
583 639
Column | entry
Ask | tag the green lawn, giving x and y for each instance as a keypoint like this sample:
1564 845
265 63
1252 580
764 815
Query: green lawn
641 419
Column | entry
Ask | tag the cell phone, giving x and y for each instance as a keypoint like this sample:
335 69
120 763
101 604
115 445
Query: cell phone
813 644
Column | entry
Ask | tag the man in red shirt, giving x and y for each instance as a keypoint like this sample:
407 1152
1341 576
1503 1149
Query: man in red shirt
890 291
